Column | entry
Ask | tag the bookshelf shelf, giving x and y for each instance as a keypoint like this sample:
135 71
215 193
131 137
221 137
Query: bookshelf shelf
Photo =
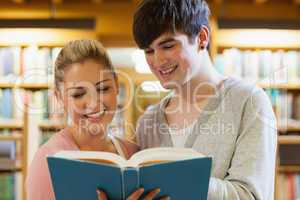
289 128
11 124
15 137
35 86
29 86
6 85
284 86
8 165
289 169
289 139
51 125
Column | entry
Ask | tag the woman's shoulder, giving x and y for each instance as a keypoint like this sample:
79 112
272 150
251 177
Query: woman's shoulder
59 141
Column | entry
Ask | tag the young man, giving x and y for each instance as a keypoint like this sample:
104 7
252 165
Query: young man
219 116
222 117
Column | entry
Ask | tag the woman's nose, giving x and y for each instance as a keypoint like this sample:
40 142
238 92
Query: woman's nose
91 100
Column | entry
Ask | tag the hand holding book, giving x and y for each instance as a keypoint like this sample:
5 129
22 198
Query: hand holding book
135 195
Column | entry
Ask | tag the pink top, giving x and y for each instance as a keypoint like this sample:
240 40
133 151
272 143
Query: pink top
38 182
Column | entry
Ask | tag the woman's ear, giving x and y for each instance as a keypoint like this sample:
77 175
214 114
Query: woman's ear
117 83
203 37
60 100
58 95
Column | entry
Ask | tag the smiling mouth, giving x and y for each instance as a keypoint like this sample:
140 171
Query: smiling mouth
168 71
95 115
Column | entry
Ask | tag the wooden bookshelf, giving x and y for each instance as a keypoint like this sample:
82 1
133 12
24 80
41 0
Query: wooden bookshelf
257 40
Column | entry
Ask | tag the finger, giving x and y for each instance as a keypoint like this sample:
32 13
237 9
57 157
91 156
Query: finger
165 198
136 195
101 195
152 194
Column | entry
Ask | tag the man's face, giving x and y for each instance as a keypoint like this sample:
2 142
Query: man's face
173 59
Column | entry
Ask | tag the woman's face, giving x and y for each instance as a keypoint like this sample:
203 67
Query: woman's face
90 96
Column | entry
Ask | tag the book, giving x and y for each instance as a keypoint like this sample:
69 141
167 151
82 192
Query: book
179 173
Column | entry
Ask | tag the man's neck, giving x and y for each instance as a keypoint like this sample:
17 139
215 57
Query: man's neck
203 85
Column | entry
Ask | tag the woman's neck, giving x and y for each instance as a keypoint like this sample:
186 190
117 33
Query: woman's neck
89 142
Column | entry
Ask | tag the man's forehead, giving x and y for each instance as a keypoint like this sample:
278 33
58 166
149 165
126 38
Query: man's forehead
161 38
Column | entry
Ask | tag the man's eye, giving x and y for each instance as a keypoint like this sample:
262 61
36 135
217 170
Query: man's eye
148 51
103 89
168 46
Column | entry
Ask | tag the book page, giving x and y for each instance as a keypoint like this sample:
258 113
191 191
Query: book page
93 156
162 154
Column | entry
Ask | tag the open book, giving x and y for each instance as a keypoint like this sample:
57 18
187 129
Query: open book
179 173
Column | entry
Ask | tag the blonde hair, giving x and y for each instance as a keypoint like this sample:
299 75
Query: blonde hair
78 51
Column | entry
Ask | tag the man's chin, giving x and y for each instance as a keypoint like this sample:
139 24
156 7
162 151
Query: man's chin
169 85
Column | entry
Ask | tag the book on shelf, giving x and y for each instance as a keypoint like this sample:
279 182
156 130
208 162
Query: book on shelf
9 64
11 186
33 63
179 173
263 66
289 186
8 149
6 106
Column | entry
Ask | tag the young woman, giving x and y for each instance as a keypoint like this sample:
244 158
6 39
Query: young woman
87 86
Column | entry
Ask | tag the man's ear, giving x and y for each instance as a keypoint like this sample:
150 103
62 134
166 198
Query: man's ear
203 37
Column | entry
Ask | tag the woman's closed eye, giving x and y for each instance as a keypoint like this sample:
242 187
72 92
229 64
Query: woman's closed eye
77 95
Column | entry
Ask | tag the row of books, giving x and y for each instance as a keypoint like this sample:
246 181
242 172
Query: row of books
10 150
42 103
11 103
11 186
286 105
289 185
260 66
33 63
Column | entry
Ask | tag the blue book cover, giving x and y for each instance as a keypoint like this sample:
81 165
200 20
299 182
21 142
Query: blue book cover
6 108
179 179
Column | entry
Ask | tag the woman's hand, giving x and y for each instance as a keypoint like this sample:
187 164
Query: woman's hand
135 195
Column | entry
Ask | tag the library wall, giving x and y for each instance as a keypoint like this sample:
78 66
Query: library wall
261 45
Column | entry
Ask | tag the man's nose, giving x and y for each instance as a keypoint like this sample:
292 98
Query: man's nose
159 58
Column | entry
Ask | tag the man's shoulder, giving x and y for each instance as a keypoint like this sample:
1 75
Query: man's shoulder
242 90
155 110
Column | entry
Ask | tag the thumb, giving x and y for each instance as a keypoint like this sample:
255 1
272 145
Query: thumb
101 195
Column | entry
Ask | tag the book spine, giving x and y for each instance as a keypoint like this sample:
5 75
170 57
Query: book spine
130 181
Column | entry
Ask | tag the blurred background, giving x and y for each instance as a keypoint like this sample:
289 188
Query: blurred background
256 40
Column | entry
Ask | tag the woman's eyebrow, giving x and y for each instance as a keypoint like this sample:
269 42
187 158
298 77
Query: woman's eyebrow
82 87
79 87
